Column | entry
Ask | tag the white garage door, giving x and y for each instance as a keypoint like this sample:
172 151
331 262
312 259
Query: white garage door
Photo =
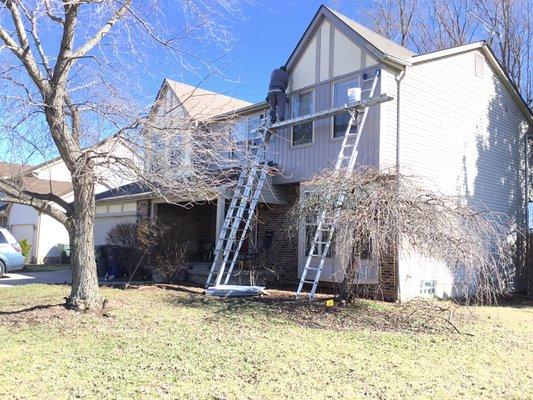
102 225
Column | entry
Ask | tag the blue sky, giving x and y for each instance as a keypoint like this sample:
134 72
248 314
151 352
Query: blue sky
264 37
263 40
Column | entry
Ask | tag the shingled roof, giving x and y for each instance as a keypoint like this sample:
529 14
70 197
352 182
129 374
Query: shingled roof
45 186
21 174
202 104
8 170
381 43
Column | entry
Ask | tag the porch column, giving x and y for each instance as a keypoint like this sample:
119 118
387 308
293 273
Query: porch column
221 208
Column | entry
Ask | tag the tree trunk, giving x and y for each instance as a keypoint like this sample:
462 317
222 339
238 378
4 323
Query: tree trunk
85 294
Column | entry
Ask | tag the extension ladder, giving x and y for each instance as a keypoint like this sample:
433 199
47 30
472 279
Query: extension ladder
325 231
241 209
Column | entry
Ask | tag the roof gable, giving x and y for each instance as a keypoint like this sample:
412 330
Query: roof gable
377 45
200 104
494 64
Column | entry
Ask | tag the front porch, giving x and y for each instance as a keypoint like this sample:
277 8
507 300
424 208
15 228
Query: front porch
268 255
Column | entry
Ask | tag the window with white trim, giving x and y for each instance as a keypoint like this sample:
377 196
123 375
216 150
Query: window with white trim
302 104
244 128
340 97
116 208
367 269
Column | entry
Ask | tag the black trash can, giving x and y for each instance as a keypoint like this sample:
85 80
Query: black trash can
102 261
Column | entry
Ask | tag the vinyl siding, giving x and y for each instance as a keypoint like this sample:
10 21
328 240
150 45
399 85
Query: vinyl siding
462 134
387 123
298 163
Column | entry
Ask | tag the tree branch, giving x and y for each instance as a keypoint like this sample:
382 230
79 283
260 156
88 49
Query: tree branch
15 195
23 51
102 32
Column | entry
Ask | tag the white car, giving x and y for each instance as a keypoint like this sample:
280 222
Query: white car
11 257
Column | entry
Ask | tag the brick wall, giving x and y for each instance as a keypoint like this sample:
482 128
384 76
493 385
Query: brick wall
282 255
199 224
144 210
388 278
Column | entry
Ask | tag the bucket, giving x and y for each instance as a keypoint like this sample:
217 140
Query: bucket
354 94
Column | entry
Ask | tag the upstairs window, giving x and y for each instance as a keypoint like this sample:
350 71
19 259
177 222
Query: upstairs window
302 104
244 129
340 97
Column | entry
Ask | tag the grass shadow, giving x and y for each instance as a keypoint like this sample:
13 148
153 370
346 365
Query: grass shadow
30 309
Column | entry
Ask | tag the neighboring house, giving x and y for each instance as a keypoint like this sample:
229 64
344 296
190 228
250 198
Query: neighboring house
8 170
456 120
46 235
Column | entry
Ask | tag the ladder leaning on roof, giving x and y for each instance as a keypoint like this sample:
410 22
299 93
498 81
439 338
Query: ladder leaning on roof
326 222
241 209
252 178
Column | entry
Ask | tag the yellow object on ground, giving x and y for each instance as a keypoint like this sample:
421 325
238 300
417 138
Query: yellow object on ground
330 303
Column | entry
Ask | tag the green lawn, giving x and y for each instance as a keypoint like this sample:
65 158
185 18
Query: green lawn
154 343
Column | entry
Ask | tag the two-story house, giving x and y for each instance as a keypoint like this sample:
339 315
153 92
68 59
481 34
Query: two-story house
456 120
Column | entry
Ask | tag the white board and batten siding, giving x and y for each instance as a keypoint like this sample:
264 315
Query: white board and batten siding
462 133
330 57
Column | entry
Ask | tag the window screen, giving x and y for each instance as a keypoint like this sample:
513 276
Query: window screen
244 128
340 97
302 104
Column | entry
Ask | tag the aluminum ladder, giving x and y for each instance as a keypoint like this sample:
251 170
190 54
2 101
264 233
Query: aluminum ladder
326 222
241 210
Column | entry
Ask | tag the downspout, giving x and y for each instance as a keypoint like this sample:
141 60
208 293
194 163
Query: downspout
399 79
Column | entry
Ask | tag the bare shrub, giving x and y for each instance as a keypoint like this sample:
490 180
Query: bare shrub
387 210
124 239
168 249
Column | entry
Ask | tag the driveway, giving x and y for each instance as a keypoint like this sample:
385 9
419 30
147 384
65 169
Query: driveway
25 278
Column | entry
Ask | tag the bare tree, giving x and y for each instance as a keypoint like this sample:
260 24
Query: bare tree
66 83
507 24
385 211
393 18
443 24
430 25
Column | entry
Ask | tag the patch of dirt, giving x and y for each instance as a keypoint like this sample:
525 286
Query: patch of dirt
419 315
51 315
35 315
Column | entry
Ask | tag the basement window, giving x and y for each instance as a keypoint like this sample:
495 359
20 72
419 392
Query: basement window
428 288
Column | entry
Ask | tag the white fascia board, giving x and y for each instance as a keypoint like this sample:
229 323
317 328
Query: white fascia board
396 61
446 53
